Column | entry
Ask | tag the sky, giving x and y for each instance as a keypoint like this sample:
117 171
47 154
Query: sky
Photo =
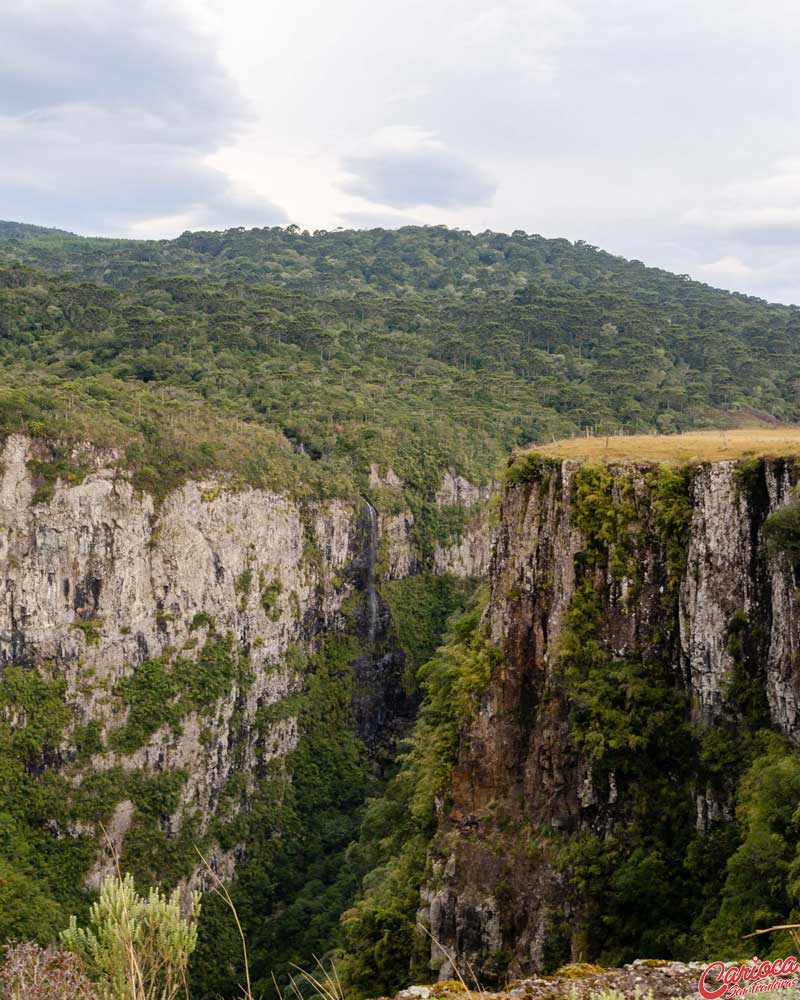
664 131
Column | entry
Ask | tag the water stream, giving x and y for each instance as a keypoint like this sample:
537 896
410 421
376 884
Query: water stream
370 590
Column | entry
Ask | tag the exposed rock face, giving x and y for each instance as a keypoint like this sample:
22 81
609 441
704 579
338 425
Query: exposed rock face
97 581
659 979
402 555
467 554
494 896
390 479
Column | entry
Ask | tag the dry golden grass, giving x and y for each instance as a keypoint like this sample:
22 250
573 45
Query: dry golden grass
679 449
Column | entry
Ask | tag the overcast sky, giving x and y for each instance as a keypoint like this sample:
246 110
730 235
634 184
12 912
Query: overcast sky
665 130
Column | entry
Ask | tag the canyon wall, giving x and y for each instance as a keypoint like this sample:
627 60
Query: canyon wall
177 632
639 612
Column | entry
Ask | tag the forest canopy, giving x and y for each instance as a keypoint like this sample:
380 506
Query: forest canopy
417 349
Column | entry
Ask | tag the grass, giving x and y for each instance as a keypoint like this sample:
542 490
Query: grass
678 449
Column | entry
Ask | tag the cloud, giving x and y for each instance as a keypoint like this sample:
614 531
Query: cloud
108 111
406 167
764 275
726 267
529 33
660 130
117 55
379 220
761 210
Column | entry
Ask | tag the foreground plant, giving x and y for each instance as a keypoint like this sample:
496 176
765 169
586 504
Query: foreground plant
135 948
30 972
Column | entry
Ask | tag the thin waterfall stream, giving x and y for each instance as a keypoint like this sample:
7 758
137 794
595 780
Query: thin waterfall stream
370 590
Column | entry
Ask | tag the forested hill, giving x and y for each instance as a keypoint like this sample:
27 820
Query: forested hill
25 231
414 259
299 359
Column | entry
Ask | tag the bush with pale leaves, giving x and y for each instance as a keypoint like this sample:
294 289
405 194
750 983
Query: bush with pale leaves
30 972
136 947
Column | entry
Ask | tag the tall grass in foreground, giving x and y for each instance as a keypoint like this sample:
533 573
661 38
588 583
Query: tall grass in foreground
138 948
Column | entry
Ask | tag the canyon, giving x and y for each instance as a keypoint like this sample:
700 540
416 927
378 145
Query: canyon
231 591
644 631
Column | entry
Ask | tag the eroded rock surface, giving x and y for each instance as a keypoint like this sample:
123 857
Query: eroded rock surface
98 581
495 898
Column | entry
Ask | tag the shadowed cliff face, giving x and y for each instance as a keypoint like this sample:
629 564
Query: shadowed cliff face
383 709
639 612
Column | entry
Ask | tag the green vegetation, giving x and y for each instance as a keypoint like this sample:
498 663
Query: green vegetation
312 841
531 467
269 594
89 628
425 348
419 608
241 586
380 947
782 530
629 721
53 463
297 875
163 691
42 864
135 947
295 362
41 872
668 490
650 885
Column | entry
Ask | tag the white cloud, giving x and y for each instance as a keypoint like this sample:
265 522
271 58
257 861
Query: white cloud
406 167
659 129
760 210
108 112
527 32
725 267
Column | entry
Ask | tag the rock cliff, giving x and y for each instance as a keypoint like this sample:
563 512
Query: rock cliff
176 634
644 622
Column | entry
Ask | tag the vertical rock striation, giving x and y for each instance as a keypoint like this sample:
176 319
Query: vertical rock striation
623 568
209 604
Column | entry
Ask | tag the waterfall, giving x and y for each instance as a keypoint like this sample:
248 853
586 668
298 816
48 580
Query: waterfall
370 591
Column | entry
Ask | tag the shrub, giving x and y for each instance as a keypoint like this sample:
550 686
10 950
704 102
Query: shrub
782 530
31 972
135 948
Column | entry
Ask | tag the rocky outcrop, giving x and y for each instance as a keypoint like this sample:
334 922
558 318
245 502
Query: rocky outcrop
690 589
465 552
646 978
96 581
402 553
470 552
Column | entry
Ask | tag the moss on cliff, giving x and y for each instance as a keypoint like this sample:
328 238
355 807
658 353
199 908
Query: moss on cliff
41 811
57 461
419 607
162 691
295 876
649 883
380 945
669 494
44 870
532 467
782 530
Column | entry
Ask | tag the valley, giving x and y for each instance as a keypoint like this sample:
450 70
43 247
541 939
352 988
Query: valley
375 566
